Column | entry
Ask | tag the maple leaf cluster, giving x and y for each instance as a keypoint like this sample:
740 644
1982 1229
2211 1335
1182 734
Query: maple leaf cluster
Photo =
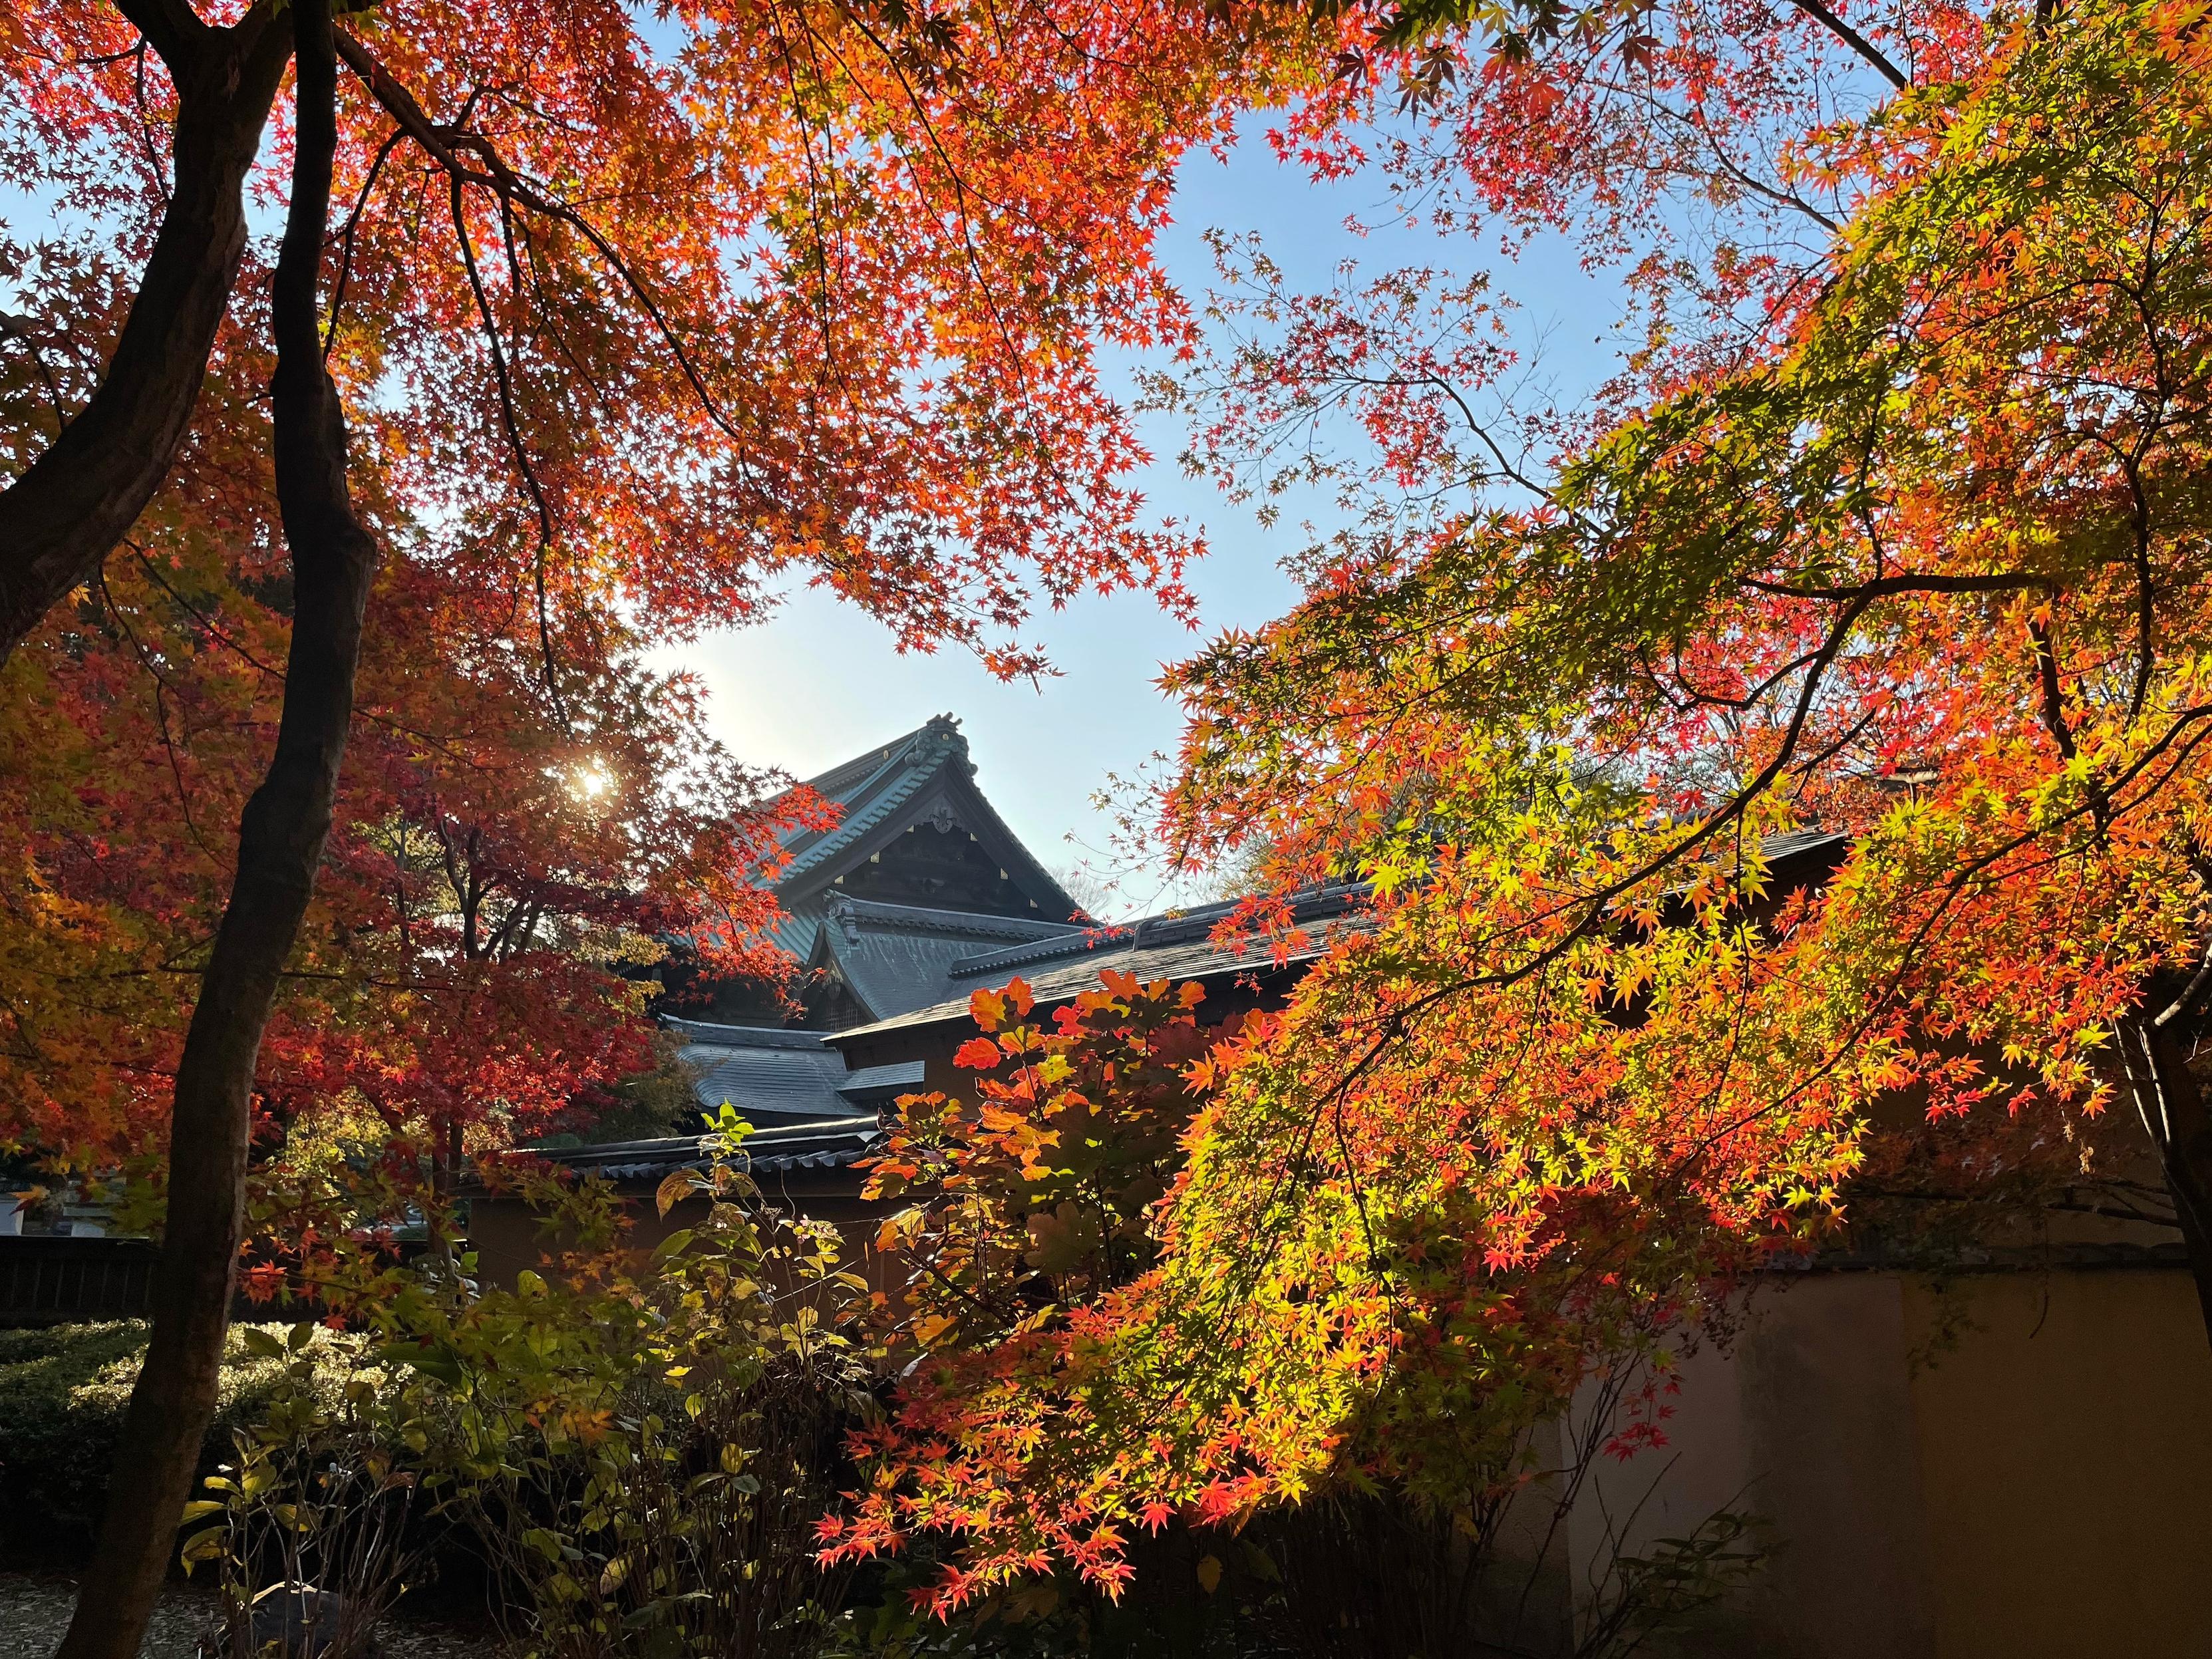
1786 774
1035 1195
638 322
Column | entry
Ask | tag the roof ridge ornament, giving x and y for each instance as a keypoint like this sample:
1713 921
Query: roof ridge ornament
942 736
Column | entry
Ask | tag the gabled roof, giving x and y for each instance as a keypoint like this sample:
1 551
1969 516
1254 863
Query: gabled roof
895 958
881 793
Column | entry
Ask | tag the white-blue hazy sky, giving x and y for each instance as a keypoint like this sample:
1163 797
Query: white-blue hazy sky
818 681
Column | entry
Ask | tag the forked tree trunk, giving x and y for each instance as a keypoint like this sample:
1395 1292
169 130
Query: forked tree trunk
62 518
280 846
2172 1109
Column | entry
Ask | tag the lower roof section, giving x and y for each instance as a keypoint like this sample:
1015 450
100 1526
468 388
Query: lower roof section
896 958
1178 945
772 1076
766 1074
833 1143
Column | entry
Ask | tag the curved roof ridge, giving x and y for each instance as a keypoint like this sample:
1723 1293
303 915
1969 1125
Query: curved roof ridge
843 776
927 918
711 1034
854 786
1041 950
917 759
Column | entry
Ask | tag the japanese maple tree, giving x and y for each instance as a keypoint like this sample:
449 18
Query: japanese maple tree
1035 1192
588 331
1912 562
1824 583
1887 547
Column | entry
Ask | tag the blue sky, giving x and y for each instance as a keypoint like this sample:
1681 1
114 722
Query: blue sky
818 681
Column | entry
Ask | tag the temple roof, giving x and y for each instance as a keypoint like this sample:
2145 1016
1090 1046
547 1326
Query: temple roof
862 916
1176 944
894 958
910 967
924 777
774 1076
769 1074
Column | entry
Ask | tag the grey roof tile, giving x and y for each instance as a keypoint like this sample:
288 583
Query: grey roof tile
882 1082
827 1143
715 1033
895 958
766 1073
1176 946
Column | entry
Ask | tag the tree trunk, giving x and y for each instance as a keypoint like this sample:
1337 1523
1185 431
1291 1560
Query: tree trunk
2172 1109
61 518
280 846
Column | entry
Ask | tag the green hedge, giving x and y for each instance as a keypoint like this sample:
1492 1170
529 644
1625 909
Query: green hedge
63 1393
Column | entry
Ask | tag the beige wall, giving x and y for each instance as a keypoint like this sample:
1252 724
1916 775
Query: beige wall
2043 1487
2066 1453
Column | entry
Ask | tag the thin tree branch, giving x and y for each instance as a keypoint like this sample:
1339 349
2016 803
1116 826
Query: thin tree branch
1858 42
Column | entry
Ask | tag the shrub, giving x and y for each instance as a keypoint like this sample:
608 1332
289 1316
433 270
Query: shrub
644 1457
315 1524
640 1453
63 1393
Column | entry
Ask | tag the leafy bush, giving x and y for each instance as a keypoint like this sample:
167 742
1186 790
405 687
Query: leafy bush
639 1452
315 1524
646 1456
63 1393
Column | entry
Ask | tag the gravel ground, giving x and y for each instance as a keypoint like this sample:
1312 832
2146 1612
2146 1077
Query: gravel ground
33 1613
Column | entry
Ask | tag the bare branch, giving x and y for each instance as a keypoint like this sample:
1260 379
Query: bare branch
1858 42
445 147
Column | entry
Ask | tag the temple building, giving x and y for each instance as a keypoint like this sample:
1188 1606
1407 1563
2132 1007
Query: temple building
918 876
917 871
915 898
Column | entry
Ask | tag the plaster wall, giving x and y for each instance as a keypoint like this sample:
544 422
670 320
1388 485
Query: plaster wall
2011 1464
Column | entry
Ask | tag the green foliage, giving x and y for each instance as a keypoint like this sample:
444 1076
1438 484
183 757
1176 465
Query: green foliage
318 1493
640 1446
1664 1593
63 1393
